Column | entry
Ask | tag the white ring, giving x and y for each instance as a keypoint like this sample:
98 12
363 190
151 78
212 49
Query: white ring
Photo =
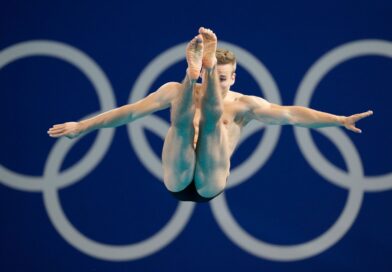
53 179
105 251
305 91
308 249
93 248
101 84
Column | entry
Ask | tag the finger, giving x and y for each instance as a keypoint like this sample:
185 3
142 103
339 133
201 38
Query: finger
355 129
55 130
58 132
57 127
363 115
57 135
366 114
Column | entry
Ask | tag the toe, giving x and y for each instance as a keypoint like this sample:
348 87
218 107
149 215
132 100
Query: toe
199 38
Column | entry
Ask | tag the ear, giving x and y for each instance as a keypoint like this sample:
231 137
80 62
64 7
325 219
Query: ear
233 75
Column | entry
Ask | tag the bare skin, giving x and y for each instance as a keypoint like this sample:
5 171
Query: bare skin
206 119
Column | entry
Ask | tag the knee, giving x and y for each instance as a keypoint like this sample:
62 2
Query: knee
211 189
211 109
176 183
210 122
183 121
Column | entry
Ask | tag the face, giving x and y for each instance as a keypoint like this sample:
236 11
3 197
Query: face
226 76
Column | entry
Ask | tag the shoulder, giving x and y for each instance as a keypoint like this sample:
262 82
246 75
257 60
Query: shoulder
246 102
166 93
232 96
169 88
253 102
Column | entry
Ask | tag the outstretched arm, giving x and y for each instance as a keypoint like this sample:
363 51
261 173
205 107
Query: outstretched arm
269 113
158 100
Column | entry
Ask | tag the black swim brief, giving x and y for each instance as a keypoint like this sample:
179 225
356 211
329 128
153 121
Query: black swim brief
190 194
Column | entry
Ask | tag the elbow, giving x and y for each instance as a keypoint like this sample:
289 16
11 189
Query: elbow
298 122
295 115
288 118
294 121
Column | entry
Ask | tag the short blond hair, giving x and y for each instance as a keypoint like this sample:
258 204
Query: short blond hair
225 56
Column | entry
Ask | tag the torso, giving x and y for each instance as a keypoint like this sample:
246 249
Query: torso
232 120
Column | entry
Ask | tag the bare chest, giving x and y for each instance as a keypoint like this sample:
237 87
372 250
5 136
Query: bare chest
229 123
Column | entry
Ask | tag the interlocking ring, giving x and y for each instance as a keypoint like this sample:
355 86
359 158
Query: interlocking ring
354 180
52 180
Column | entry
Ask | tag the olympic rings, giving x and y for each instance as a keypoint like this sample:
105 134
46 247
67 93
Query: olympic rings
52 180
354 181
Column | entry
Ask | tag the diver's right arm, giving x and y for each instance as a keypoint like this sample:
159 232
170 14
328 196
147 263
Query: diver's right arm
155 101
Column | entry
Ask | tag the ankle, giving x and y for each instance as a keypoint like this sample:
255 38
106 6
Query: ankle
193 76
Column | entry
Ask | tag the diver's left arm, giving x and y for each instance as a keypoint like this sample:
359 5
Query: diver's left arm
270 113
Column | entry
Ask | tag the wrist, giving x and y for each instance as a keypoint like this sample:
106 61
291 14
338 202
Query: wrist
341 120
81 127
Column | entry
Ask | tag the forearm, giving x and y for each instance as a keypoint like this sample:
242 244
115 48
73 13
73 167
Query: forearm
111 118
305 117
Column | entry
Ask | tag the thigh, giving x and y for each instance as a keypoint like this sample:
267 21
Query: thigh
212 161
178 159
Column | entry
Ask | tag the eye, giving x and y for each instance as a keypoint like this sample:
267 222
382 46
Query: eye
222 79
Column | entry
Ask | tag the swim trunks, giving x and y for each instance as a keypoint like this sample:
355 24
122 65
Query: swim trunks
190 194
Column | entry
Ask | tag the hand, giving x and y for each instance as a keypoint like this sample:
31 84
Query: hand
349 122
70 130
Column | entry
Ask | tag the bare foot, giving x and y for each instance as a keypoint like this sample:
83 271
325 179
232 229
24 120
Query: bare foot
194 55
210 42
